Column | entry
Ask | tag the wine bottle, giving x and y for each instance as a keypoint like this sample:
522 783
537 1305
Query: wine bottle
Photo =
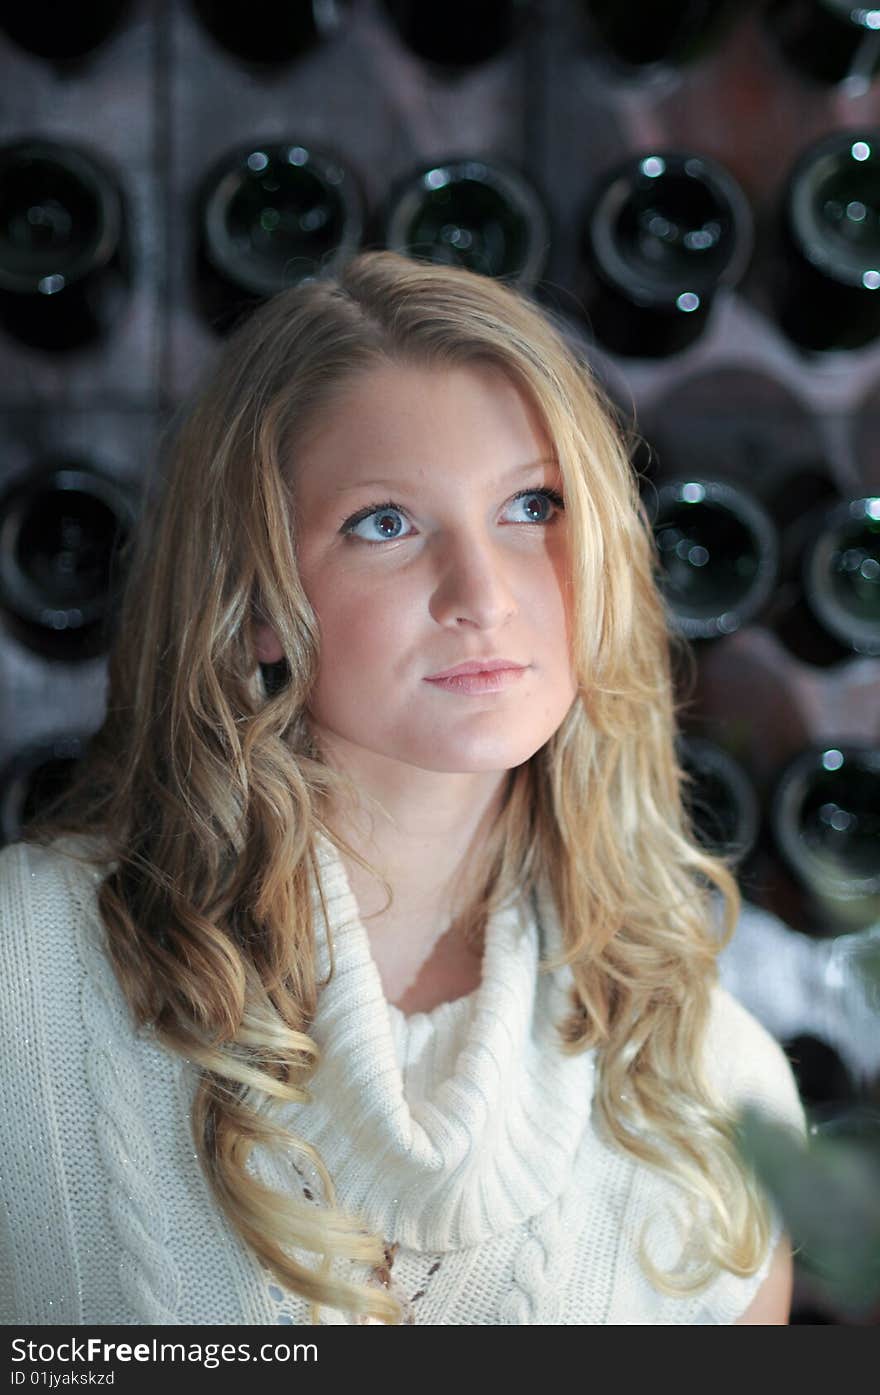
641 33
717 553
64 263
271 31
33 778
799 497
842 574
836 614
271 215
458 33
719 796
63 527
480 214
824 1083
824 817
827 277
663 231
62 32
830 40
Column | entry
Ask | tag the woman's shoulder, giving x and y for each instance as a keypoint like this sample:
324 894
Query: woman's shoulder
42 865
746 1064
48 907
60 1001
68 850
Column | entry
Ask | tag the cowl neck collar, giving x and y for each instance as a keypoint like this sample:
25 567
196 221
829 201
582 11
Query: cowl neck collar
485 1145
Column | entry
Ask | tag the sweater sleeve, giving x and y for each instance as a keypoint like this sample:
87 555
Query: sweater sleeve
38 985
749 1065
743 1064
58 1240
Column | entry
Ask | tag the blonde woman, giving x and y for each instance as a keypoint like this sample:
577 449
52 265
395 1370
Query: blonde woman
343 988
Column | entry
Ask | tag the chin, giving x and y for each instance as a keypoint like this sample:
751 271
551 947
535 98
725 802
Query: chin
427 750
487 760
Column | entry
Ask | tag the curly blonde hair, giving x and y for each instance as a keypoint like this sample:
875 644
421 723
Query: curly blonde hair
207 790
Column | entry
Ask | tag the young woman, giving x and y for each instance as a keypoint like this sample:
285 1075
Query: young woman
369 972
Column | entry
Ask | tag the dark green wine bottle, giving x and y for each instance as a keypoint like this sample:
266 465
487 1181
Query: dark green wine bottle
829 40
828 287
269 215
640 33
719 796
480 214
717 553
61 32
841 575
64 257
33 778
271 31
800 495
825 822
663 232
457 33
63 528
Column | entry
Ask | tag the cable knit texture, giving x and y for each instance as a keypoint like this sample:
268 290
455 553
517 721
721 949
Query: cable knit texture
463 1134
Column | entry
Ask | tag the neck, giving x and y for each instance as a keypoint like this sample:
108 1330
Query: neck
430 859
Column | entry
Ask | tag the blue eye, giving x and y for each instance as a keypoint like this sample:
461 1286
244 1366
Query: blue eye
549 495
380 514
376 513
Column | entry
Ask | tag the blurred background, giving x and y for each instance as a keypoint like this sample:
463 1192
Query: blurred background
692 190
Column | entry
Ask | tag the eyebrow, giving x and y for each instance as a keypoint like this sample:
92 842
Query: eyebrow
513 473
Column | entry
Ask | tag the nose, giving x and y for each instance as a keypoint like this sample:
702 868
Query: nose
473 585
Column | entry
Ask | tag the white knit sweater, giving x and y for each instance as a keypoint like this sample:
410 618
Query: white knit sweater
462 1133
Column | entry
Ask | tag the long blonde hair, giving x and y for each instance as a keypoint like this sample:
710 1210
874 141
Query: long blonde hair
207 790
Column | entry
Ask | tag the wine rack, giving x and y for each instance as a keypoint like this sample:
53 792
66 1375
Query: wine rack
165 97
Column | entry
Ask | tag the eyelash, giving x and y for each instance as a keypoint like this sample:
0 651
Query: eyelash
351 523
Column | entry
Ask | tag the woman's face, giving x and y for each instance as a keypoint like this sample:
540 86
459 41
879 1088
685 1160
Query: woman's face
423 541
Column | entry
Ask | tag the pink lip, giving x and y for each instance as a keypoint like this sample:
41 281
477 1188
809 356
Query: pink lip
475 666
484 681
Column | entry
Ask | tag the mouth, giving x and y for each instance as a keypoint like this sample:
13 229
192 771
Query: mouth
472 666
481 681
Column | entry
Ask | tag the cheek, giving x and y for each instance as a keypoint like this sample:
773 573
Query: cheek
552 604
360 631
560 603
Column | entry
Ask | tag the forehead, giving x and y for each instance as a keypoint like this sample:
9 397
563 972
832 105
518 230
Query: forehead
413 419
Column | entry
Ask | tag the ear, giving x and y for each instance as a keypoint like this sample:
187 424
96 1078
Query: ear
268 649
